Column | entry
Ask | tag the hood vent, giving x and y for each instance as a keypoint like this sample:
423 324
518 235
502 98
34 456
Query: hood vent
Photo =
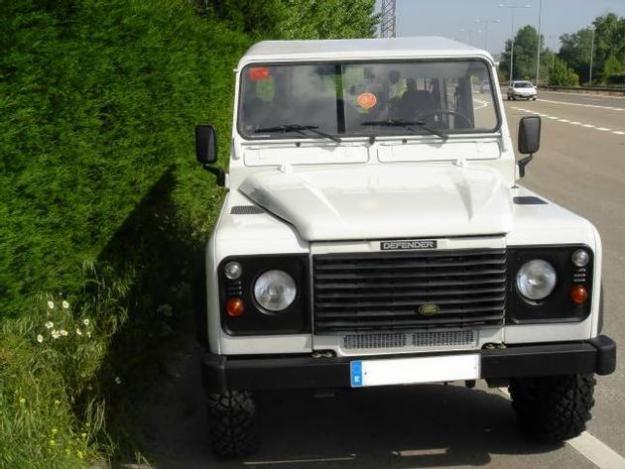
246 210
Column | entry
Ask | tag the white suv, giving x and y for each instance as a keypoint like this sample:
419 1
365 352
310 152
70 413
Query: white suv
374 233
522 90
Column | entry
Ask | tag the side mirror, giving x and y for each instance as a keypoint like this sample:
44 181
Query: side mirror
529 140
205 144
206 151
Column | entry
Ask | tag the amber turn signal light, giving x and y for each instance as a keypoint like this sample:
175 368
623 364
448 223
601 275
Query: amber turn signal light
579 294
235 307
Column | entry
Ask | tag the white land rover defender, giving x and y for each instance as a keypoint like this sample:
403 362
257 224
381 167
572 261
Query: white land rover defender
374 234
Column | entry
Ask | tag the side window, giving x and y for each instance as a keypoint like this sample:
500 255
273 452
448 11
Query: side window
482 91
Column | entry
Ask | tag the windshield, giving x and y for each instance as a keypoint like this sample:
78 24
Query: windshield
326 100
523 84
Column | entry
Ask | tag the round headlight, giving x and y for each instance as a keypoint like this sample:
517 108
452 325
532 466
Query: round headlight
233 270
580 258
275 290
536 279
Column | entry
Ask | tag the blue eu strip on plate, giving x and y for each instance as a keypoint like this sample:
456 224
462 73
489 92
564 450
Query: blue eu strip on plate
356 374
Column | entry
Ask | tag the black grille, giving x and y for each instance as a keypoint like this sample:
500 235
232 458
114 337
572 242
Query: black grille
366 291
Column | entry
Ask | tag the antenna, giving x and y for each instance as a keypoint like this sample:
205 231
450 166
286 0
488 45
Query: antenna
388 21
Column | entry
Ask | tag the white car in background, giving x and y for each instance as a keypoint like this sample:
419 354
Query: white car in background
522 90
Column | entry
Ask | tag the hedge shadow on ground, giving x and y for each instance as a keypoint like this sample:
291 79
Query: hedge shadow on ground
164 262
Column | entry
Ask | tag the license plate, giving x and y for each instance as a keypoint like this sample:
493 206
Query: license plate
414 370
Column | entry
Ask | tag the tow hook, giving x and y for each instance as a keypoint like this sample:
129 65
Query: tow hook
490 346
323 354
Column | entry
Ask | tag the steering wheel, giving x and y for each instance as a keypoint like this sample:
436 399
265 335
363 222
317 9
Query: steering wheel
446 111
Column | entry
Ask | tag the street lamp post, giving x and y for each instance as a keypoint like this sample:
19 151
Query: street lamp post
592 50
540 13
486 23
512 9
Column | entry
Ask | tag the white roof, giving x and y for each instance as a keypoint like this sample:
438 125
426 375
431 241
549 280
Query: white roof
354 49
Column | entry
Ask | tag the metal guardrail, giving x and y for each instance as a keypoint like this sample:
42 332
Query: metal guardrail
586 89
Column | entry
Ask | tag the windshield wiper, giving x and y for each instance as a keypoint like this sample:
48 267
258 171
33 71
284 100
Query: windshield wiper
409 126
299 129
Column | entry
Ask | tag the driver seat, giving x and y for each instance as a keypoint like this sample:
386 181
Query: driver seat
415 102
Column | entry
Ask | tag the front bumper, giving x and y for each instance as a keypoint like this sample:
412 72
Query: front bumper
522 95
222 373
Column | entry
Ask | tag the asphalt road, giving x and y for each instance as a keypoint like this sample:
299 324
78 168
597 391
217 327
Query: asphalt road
581 165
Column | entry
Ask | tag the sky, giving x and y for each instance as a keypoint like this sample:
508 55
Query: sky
456 18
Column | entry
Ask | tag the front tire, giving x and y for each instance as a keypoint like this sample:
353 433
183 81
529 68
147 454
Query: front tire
233 424
553 408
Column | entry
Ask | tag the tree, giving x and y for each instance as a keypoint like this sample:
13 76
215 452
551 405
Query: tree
575 51
295 19
561 75
525 46
612 66
609 44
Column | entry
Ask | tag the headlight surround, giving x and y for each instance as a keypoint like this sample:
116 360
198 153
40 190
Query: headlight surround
536 279
275 290
283 310
558 306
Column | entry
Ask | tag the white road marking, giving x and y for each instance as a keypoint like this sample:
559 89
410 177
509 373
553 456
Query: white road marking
597 452
300 461
593 449
586 95
481 104
421 452
598 106
566 121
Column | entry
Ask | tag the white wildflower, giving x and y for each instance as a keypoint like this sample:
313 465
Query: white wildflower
88 334
39 338
118 380
63 332
85 321
49 325
65 304
78 331
51 304
55 334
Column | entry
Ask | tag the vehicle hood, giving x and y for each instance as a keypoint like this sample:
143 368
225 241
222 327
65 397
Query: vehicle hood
376 202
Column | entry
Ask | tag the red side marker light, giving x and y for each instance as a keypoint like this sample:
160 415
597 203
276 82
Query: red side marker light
235 307
258 73
579 294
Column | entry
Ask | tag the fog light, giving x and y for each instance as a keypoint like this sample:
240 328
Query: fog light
233 270
579 294
235 307
580 258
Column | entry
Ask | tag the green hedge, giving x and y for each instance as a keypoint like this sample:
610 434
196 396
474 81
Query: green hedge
96 103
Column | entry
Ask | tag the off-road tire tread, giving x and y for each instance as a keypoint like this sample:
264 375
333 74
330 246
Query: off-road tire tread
553 408
233 424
